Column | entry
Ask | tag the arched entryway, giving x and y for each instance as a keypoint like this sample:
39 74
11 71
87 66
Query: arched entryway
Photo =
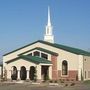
23 73
14 73
32 73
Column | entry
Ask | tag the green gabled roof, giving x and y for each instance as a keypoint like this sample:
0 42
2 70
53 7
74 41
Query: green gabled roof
41 49
63 47
67 48
34 59
72 50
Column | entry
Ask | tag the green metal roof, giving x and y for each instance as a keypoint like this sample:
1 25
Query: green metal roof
41 49
72 50
63 47
67 48
34 59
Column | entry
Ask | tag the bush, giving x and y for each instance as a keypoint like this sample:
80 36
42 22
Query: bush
47 77
72 84
66 84
51 81
87 82
55 81
62 81
67 79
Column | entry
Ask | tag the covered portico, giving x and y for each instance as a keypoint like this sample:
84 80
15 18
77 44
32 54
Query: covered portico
40 70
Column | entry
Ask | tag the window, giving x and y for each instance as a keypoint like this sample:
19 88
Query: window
64 68
44 55
30 54
36 53
85 74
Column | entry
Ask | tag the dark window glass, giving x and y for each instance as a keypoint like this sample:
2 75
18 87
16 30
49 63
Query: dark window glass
30 54
64 68
36 53
44 55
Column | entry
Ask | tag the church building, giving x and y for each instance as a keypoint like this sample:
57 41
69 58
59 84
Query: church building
45 59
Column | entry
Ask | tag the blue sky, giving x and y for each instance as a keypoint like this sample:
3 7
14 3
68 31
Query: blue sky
24 21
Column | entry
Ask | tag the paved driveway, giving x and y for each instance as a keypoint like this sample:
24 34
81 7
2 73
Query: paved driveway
41 87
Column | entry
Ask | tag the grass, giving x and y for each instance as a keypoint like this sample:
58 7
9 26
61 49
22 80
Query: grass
87 82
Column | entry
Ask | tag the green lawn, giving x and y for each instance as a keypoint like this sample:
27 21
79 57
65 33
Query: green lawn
87 82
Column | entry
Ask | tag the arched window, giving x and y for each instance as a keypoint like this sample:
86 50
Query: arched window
64 67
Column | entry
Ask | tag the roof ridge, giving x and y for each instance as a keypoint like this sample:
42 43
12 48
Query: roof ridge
67 48
72 47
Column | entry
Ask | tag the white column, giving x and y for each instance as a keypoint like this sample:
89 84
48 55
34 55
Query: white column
39 72
18 75
50 72
27 74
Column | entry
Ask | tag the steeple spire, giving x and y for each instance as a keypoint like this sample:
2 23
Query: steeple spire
49 21
48 34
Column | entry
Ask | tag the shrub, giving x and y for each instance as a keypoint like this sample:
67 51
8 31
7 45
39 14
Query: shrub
67 79
51 81
87 82
66 84
72 84
55 81
47 77
62 81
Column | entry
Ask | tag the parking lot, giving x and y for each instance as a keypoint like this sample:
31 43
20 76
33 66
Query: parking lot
29 86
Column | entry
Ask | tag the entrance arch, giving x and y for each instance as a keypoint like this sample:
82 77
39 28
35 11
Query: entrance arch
23 73
32 73
14 73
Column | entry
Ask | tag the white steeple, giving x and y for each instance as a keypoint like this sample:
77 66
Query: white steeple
49 21
48 34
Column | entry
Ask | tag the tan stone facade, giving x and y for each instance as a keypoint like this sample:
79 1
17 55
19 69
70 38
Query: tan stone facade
59 64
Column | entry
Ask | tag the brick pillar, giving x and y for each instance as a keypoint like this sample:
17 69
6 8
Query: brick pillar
54 67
